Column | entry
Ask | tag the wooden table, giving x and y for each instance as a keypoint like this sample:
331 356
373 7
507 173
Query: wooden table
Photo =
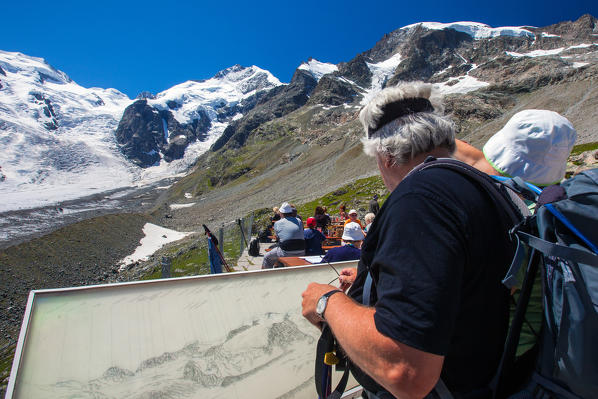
293 261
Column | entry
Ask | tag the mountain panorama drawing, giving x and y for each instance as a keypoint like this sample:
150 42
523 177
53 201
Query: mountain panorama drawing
222 336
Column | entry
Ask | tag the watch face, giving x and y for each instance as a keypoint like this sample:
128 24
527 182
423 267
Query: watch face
321 306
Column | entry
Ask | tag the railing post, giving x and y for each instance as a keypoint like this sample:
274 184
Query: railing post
221 239
241 227
165 267
249 228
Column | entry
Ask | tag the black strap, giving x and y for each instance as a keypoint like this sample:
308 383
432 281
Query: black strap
325 345
340 388
505 366
560 251
490 185
553 387
518 185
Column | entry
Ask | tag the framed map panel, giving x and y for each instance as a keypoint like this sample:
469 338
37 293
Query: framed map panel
233 335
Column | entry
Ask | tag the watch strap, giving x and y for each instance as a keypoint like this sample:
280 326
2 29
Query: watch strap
327 295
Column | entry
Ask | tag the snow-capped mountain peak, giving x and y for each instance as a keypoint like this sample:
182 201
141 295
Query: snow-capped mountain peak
475 29
247 79
318 69
227 87
33 67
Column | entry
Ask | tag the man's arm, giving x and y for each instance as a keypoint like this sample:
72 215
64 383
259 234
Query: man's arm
404 371
474 157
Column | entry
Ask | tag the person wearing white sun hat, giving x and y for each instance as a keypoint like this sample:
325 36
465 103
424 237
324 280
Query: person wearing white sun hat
533 145
289 233
352 238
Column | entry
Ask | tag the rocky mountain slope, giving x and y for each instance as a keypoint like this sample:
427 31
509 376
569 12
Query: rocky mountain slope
486 75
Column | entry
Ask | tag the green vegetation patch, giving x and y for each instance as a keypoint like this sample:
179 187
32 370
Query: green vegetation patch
192 259
354 195
578 149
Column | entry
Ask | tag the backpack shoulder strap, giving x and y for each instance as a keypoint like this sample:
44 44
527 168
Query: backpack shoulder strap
560 251
491 186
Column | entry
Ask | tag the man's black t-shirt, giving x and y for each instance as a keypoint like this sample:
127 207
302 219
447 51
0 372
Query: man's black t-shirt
438 251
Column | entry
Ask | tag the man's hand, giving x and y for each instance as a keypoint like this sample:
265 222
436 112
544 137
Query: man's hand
310 299
347 277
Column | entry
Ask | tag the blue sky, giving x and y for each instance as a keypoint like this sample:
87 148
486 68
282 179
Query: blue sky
153 45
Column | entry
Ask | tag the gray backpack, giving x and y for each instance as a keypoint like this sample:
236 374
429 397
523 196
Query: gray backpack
561 240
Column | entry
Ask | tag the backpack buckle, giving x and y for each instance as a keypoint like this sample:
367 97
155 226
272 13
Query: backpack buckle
330 359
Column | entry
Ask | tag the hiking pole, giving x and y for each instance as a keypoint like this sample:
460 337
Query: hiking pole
215 241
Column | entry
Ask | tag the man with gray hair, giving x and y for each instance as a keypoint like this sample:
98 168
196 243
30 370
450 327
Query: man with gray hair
431 264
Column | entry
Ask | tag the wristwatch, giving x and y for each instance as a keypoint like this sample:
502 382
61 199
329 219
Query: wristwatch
323 301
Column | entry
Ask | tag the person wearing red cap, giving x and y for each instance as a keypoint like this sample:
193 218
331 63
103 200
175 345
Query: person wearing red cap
313 238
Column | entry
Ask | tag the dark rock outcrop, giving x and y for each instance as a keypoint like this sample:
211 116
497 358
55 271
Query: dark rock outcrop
140 133
581 29
144 133
478 107
523 74
226 111
390 44
47 114
356 71
276 103
332 91
428 53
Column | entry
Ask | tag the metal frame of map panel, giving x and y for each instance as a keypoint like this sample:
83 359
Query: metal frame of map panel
275 341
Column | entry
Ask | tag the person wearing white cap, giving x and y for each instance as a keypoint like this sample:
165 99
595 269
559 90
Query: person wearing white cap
534 145
353 218
352 238
289 233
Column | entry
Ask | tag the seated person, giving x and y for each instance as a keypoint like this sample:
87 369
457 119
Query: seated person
352 238
534 145
353 218
313 239
322 220
369 218
276 216
289 233
295 215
